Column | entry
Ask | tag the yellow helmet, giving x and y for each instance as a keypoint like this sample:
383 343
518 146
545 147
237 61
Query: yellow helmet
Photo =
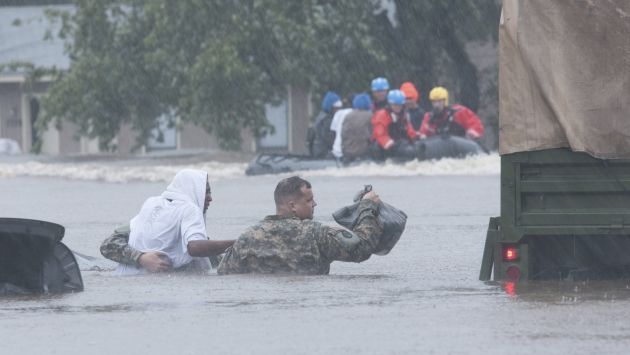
439 93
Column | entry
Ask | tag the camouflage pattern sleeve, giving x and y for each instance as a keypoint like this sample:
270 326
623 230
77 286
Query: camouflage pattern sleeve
356 246
117 248
230 263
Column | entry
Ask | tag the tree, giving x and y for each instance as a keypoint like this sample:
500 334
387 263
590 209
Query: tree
33 2
429 39
217 63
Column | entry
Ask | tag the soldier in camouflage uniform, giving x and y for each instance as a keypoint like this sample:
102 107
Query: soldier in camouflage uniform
291 242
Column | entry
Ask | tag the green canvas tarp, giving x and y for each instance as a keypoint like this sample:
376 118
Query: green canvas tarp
564 76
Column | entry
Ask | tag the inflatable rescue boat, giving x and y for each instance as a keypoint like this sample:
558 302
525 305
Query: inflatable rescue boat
431 148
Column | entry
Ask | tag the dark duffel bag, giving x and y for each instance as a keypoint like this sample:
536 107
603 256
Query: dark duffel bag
392 219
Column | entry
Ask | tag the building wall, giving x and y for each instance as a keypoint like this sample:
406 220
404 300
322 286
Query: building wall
69 142
50 142
191 136
299 116
11 112
15 123
126 139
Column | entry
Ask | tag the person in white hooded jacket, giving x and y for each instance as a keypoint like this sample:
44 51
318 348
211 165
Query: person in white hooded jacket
169 232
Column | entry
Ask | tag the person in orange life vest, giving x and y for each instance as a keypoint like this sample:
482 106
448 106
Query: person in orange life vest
392 133
416 113
456 120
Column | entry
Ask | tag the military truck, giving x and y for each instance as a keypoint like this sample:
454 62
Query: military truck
564 105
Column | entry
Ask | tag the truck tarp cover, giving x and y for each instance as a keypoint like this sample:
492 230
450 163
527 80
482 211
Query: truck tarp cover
564 76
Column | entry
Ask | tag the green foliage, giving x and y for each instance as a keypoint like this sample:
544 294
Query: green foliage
33 2
217 63
429 38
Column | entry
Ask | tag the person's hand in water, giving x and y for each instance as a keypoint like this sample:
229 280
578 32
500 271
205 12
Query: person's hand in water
155 261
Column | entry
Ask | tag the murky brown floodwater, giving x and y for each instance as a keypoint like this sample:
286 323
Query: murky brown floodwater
424 297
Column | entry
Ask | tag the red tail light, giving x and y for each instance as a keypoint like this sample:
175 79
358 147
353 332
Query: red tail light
510 288
513 273
510 253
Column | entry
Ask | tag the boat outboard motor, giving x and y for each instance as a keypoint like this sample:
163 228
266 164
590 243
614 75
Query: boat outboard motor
33 259
446 146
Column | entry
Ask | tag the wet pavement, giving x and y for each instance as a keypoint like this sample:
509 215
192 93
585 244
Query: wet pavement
424 297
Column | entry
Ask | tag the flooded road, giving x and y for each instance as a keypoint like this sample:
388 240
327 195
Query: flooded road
424 297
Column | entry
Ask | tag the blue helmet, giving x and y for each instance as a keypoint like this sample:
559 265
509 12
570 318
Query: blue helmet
380 84
362 102
395 97
330 99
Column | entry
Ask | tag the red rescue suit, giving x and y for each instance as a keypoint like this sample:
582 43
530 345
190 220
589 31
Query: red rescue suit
379 105
388 127
456 120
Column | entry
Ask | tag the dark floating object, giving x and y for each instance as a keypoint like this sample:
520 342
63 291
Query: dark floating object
33 260
431 148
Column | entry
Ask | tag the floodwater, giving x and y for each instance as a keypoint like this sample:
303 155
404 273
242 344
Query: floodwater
424 297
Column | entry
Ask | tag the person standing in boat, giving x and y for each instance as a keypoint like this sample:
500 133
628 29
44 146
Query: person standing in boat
416 113
380 87
456 120
393 135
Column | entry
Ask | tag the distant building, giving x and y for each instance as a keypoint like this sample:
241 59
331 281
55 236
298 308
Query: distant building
22 32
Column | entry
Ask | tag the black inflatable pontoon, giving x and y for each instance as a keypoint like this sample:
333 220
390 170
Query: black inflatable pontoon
33 259
431 148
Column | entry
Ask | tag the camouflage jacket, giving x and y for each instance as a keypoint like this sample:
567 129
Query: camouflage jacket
117 248
280 244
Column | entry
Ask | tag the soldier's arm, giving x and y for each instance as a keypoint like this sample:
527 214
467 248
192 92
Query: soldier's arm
230 263
117 248
356 245
208 247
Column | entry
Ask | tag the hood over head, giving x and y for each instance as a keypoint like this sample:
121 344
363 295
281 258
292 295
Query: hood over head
362 102
331 99
188 185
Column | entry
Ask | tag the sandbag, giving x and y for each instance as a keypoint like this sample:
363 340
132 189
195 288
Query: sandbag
392 219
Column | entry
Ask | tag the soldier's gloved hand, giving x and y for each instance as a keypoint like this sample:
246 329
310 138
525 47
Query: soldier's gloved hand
154 261
372 196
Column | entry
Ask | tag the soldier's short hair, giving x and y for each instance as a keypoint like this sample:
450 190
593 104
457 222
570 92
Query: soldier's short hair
289 188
